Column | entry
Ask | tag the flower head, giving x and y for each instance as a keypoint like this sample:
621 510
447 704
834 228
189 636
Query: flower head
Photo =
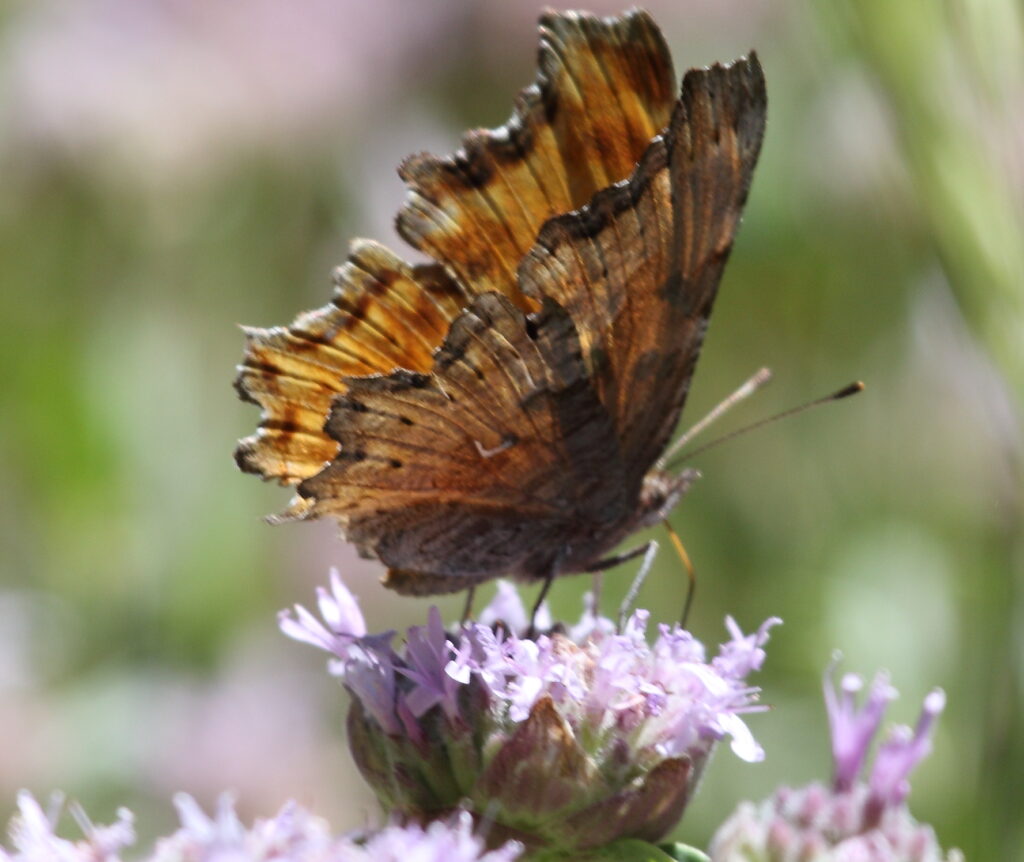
292 835
569 740
449 840
295 835
34 839
862 815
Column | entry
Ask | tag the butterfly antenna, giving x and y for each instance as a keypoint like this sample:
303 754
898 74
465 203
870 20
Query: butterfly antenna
691 572
748 388
845 392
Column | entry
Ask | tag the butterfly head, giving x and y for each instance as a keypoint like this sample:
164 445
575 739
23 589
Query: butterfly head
660 493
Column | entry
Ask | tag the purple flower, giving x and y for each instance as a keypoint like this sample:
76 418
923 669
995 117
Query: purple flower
292 835
441 841
563 740
668 697
343 621
507 607
743 654
370 676
900 753
32 834
591 622
426 654
853 729
366 663
854 819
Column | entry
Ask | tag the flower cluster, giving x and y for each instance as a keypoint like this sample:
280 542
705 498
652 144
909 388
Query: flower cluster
862 815
34 840
293 835
488 743
440 841
569 739
663 700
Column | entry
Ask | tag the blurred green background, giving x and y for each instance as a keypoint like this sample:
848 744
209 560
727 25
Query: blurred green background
173 167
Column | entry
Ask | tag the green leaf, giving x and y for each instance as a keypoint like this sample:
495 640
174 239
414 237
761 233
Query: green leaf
625 850
684 853
631 850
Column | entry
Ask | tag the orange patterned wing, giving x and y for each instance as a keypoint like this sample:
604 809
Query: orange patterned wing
483 466
605 87
638 267
384 314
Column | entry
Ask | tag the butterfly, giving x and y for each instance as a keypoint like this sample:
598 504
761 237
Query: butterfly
499 411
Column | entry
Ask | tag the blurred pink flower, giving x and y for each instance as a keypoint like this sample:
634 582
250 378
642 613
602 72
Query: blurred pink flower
292 835
167 83
255 723
703 26
34 840
260 726
863 814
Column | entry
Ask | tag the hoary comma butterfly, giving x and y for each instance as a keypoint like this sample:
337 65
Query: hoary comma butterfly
499 411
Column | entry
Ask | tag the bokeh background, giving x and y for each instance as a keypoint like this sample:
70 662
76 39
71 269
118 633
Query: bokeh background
173 167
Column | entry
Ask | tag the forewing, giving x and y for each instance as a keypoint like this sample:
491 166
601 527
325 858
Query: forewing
638 268
384 314
604 88
476 468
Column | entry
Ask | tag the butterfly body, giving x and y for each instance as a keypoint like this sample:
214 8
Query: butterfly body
500 412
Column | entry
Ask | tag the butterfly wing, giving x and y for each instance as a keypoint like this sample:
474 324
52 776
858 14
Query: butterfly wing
484 458
481 466
384 314
638 267
605 87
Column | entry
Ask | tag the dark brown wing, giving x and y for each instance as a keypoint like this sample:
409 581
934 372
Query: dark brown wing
384 314
638 268
480 467
605 87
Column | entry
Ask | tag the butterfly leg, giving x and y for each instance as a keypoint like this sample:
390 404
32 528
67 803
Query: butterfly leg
624 557
650 551
548 581
467 609
691 573
596 583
